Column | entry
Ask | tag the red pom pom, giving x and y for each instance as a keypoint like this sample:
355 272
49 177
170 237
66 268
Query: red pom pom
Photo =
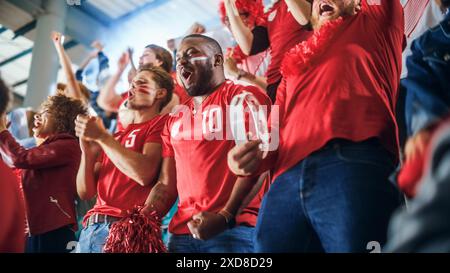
136 233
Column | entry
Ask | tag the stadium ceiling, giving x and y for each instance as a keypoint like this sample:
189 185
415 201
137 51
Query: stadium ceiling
145 21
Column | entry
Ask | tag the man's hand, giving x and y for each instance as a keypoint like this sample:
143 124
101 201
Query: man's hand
244 159
206 225
417 144
57 38
3 123
196 28
90 128
124 60
231 67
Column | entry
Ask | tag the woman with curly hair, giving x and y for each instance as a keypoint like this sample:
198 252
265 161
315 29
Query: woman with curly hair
49 173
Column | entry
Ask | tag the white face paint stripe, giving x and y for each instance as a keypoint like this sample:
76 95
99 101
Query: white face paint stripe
202 58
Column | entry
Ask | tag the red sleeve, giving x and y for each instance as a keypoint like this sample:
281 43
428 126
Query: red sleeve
167 149
12 229
154 132
386 12
54 154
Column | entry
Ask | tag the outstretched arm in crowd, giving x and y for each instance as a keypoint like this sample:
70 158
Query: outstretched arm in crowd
73 89
242 34
164 194
141 167
108 99
300 10
94 54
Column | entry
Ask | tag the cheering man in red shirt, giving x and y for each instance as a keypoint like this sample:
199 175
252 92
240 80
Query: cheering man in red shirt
125 172
211 216
338 135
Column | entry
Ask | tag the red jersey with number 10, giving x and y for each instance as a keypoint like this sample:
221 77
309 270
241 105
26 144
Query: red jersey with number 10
204 181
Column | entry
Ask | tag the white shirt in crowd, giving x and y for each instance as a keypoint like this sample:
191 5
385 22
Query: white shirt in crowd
420 15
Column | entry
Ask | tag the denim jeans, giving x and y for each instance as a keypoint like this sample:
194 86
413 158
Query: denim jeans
93 238
236 240
338 199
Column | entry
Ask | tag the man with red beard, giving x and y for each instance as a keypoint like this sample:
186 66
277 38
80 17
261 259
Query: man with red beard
211 216
338 134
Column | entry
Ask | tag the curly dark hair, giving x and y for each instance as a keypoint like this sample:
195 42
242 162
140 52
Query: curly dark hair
5 96
64 111
162 79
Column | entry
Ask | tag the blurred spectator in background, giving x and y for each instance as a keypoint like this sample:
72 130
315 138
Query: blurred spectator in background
286 27
241 67
12 228
427 97
425 227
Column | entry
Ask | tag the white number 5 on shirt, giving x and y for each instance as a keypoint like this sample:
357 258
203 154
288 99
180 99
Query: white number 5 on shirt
131 139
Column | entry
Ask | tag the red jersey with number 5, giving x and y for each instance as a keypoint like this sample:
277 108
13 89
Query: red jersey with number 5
116 192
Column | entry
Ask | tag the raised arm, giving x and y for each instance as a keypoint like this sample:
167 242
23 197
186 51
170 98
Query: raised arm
108 99
73 89
300 10
242 34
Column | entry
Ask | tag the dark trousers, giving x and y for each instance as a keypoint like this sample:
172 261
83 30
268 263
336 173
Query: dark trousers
55 241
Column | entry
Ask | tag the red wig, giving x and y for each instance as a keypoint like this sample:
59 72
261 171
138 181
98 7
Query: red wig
255 9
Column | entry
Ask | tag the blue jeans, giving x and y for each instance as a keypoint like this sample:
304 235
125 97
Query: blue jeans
236 240
338 199
93 238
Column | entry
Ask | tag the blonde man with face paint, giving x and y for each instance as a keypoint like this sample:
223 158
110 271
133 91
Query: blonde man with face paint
121 169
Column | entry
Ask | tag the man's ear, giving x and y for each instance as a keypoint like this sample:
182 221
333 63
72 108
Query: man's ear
161 93
218 60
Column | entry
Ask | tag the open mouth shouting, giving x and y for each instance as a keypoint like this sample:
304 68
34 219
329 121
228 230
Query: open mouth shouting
186 75
326 10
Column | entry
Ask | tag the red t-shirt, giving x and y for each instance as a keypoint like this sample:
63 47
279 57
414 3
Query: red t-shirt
12 211
283 32
116 192
204 181
350 91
